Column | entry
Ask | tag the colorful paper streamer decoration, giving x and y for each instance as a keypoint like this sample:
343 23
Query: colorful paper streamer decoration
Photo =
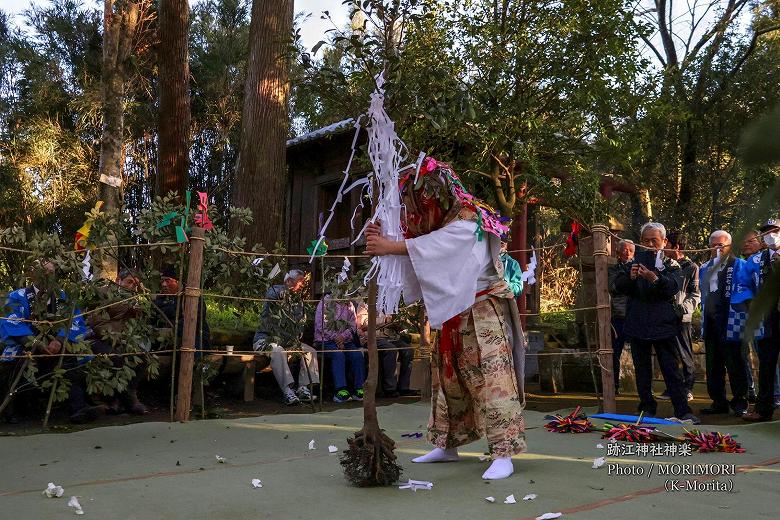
82 234
575 422
712 442
628 432
317 248
202 218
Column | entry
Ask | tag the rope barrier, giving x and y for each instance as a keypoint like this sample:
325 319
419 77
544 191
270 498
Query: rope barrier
249 298
242 353
279 255
88 312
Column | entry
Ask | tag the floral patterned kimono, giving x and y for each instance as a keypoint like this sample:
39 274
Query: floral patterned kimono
478 362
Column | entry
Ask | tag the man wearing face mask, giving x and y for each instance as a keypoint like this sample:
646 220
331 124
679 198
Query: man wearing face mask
750 279
722 325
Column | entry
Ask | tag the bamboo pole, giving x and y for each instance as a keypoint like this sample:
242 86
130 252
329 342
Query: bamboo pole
601 252
191 305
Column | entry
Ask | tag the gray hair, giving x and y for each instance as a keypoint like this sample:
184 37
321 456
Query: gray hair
625 243
653 225
720 233
294 274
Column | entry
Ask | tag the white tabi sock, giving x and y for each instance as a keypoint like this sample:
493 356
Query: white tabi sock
500 468
439 455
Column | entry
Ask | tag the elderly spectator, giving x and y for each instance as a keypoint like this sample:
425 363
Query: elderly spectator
392 351
625 255
722 337
335 327
281 328
18 335
687 302
750 246
108 326
751 277
652 283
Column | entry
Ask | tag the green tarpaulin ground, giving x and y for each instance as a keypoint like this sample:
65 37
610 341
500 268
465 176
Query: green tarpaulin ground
160 470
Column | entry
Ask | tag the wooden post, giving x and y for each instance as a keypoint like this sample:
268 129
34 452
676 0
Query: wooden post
191 307
601 252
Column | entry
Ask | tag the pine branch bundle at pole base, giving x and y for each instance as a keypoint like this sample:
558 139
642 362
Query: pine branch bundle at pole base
370 459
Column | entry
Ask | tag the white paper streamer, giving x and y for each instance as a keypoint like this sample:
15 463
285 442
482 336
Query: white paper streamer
74 503
87 266
341 191
714 271
529 275
414 485
386 152
53 491
344 274
274 272
659 260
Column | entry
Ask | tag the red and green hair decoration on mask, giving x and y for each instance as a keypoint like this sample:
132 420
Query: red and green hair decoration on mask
435 196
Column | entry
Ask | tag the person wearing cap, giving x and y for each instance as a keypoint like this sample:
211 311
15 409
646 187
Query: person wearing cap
750 279
280 329
722 328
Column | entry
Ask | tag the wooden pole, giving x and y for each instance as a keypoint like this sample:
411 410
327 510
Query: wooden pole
601 253
191 308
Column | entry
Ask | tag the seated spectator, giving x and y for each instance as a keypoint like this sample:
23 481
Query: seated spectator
722 341
625 255
392 351
280 328
108 326
652 283
335 326
168 302
687 301
42 300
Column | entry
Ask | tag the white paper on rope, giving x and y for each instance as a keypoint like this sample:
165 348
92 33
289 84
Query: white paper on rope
529 275
115 182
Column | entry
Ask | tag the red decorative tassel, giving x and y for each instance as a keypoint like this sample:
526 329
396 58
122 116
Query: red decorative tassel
450 343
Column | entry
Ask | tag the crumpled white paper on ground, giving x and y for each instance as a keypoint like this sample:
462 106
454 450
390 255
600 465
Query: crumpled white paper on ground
510 500
332 449
490 499
414 485
549 516
74 503
220 459
598 462
530 496
256 483
312 445
53 491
